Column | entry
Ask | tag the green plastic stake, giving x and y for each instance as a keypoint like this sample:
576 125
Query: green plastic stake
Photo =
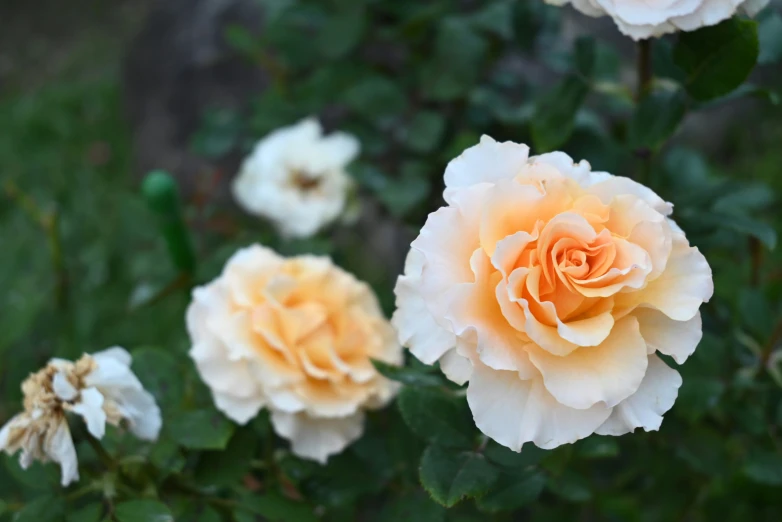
160 191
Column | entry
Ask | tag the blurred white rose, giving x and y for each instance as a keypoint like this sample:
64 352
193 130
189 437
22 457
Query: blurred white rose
294 335
296 177
641 19
101 388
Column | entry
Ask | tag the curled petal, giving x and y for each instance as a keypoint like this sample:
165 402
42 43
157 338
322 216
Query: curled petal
675 338
488 161
90 407
513 411
645 408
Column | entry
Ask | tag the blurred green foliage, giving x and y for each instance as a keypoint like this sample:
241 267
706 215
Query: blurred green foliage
84 265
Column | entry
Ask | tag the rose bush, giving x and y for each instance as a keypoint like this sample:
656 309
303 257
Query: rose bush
639 19
294 336
551 289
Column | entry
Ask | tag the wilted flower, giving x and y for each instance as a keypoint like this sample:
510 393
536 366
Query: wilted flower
101 388
641 19
295 336
550 288
296 177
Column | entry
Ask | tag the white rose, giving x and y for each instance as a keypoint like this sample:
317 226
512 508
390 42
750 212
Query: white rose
101 388
641 19
294 335
296 177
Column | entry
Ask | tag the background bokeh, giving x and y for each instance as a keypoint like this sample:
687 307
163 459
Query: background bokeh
93 95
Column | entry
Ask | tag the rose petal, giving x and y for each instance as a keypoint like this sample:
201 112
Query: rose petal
317 439
675 338
645 408
488 161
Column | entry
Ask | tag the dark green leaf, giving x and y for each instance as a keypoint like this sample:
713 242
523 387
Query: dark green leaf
453 69
555 114
414 506
755 312
199 513
38 476
159 372
450 476
770 37
276 508
407 375
425 131
750 227
764 468
143 511
90 513
437 416
167 457
376 98
717 59
341 33
44 509
496 18
227 467
656 119
697 396
513 491
570 486
597 447
503 456
203 429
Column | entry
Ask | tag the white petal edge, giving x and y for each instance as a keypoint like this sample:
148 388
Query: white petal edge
675 338
317 439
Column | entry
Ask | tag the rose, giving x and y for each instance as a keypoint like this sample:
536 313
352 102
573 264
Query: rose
550 288
295 336
296 177
101 388
641 19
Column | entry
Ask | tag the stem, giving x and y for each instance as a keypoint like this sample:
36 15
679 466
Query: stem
645 73
103 455
50 224
756 252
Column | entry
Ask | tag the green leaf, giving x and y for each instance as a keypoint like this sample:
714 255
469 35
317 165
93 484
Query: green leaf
697 396
597 447
143 511
750 227
528 456
407 375
496 18
376 98
584 56
513 491
90 513
162 194
227 467
555 114
656 118
413 506
770 38
341 33
437 416
167 457
44 509
202 429
425 131
159 372
453 69
199 513
38 476
764 468
571 487
276 508
717 59
451 476
755 312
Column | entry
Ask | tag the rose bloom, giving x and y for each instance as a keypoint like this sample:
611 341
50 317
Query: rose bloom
550 288
641 19
296 177
295 336
101 388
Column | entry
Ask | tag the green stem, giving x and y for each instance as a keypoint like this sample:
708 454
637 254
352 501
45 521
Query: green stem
103 455
645 77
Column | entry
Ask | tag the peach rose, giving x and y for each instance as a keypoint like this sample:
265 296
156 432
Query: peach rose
295 336
550 288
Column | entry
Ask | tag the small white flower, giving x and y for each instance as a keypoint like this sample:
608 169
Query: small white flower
101 388
641 19
296 177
